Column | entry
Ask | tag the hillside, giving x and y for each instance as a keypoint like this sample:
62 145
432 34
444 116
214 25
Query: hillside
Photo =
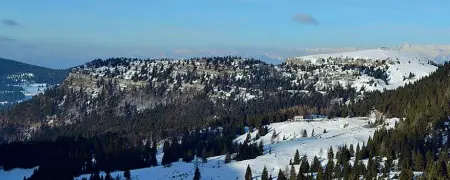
208 91
18 71
437 53
20 81
397 68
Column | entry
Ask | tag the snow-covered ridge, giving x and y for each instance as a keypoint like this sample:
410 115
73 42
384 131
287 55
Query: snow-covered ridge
436 53
401 67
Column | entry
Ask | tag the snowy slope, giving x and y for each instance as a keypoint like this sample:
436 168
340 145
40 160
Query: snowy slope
340 131
436 53
15 174
400 65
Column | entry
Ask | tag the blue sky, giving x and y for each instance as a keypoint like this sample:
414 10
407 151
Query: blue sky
60 33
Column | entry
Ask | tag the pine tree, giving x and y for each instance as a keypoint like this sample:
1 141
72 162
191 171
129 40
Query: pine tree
167 157
204 155
406 174
227 158
273 137
347 170
418 161
293 175
261 147
265 174
248 138
329 169
430 160
197 174
153 160
358 153
338 171
281 175
127 174
352 150
108 176
441 169
297 158
320 175
301 175
304 166
188 157
315 165
330 153
248 173
372 170
96 176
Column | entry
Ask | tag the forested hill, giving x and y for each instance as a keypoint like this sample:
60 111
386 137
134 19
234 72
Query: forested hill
20 81
161 97
420 140
428 99
10 69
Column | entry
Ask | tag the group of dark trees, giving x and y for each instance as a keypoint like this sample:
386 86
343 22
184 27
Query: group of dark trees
10 93
67 157
203 145
338 165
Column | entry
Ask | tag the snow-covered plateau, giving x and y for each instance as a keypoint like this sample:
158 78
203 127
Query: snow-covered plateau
401 67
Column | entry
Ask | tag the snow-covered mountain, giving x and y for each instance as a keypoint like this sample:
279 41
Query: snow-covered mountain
400 67
436 53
